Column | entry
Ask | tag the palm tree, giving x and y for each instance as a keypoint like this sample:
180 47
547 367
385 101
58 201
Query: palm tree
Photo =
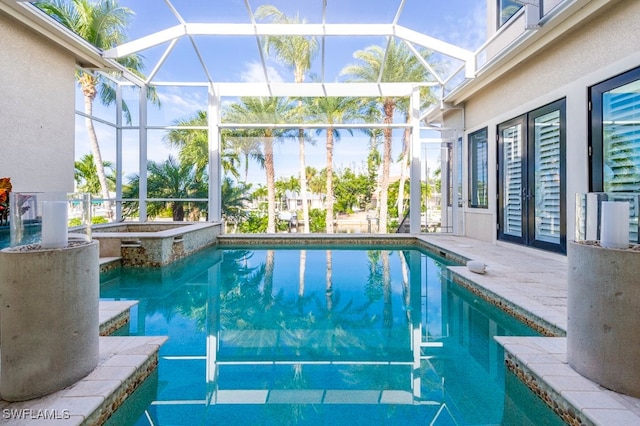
235 198
248 147
397 64
334 110
193 144
317 180
102 23
86 175
169 179
263 110
296 52
289 185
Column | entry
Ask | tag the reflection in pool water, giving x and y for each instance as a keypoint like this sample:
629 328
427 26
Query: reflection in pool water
352 336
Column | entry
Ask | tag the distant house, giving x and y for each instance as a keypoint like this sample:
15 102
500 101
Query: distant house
293 201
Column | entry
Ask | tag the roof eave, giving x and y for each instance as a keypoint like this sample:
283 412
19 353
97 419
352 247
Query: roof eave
86 55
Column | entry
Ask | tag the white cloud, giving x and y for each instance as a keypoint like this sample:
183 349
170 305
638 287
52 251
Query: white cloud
253 73
468 31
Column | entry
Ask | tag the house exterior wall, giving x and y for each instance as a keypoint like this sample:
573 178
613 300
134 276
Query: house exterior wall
597 49
37 103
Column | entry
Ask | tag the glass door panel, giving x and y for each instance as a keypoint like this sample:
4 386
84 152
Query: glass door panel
512 180
547 177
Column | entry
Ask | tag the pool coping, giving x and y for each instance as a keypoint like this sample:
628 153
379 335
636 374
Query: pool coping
541 364
124 364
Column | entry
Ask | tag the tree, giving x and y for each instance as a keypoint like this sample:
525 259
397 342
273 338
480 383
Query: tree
333 110
248 147
234 197
102 23
263 110
193 145
373 163
317 180
86 175
396 63
296 52
284 185
168 180
350 191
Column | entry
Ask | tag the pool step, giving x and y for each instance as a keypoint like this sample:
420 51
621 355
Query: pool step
114 315
109 263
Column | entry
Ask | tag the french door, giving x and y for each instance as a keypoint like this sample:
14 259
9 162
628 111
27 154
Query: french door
531 182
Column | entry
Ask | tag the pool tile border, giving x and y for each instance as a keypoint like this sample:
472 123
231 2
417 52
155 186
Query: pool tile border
540 363
113 401
314 240
535 322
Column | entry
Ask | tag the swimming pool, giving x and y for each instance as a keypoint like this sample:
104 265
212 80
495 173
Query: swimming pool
366 336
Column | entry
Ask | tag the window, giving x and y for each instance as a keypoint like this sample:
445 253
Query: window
506 9
615 134
615 142
478 169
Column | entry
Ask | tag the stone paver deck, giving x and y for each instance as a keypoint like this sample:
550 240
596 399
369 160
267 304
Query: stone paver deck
534 283
124 363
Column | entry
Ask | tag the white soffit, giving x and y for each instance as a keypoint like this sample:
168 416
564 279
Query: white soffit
85 53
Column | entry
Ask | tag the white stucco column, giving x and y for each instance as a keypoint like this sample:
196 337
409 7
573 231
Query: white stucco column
415 164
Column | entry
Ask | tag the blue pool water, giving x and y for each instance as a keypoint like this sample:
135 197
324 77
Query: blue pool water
364 337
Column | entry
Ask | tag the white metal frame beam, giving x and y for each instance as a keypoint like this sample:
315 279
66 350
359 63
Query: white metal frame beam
320 30
312 90
357 30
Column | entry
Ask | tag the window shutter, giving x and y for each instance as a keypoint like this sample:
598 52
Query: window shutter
621 136
512 201
547 177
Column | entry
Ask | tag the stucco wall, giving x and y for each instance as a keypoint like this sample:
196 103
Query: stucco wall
597 50
36 111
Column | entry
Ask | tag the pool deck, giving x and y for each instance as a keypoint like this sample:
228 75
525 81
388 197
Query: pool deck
124 363
529 283
534 282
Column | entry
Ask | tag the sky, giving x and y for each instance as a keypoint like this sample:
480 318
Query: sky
459 22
